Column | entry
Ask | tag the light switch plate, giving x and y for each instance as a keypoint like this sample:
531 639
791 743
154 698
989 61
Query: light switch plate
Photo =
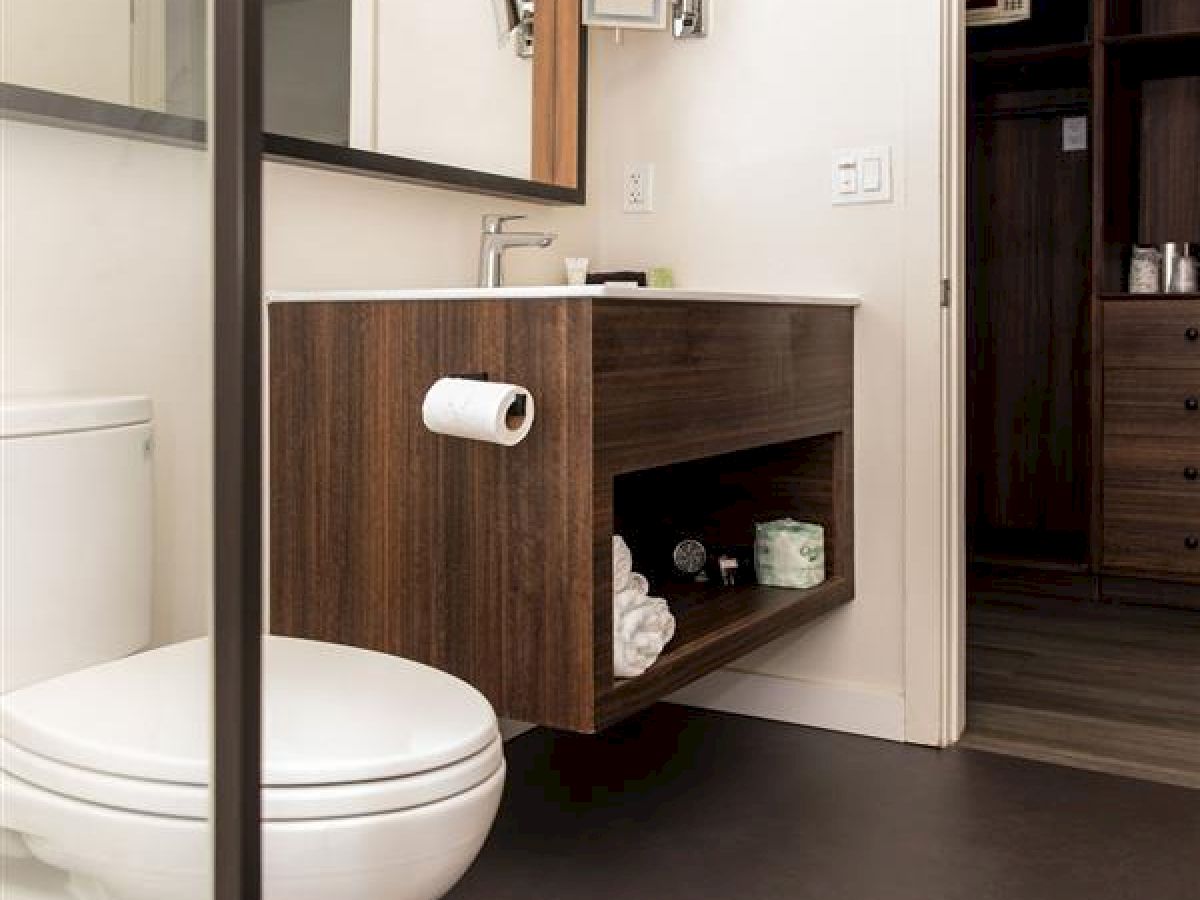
1075 134
862 175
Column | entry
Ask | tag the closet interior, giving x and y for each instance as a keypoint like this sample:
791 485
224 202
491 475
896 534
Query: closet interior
1083 391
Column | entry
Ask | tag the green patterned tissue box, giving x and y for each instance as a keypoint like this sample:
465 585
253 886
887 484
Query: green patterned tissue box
789 554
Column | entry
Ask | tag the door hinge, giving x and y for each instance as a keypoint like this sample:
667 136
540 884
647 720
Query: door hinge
946 293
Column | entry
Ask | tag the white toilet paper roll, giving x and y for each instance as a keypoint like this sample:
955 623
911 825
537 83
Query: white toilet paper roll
479 410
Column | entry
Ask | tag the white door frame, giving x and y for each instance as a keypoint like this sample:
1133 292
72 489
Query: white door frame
955 355
954 372
934 526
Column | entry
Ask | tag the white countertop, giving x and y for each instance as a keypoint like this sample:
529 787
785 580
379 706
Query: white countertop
556 292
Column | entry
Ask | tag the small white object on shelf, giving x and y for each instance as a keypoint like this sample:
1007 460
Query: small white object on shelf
642 625
998 12
1145 271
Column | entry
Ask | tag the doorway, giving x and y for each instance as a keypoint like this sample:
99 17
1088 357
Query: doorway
1082 520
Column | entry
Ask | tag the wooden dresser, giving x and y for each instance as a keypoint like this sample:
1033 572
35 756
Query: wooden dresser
1151 467
495 563
1082 439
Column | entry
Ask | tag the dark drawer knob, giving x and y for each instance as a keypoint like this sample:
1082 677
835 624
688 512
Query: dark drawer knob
1192 334
1191 404
1191 473
1192 542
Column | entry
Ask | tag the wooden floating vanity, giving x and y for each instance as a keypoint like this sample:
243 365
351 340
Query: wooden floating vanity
495 563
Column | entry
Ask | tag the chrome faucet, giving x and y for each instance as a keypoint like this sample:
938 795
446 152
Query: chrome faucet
495 240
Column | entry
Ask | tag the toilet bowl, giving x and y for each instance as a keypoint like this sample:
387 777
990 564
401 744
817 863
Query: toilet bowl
381 777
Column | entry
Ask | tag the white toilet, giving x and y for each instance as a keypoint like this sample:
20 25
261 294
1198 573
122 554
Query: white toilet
382 777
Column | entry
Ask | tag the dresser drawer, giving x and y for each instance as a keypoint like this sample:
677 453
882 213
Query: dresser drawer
1152 334
1166 468
1152 505
1152 402
1148 549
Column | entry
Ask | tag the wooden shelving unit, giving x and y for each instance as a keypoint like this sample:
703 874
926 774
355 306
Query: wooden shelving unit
1028 324
1035 53
1157 41
716 625
1049 243
1045 66
1126 297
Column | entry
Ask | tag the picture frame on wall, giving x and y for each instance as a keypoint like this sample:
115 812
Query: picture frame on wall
647 14
998 12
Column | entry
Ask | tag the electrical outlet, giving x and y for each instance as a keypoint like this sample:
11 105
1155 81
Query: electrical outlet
639 188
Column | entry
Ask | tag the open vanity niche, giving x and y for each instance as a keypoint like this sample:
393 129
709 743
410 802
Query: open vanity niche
495 563
718 501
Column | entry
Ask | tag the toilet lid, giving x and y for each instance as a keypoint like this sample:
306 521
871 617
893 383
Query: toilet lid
278 804
332 715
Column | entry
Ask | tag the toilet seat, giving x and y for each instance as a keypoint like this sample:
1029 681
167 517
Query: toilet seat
347 732
279 804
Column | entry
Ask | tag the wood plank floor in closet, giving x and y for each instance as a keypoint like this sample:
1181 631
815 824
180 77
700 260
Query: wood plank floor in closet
1109 688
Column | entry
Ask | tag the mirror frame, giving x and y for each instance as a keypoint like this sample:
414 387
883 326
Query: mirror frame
559 139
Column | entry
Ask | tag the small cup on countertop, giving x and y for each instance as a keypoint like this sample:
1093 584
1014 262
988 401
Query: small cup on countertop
577 270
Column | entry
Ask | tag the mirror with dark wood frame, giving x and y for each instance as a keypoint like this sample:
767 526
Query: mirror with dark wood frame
476 95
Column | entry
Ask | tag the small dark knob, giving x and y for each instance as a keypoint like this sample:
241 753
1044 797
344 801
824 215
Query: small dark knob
1192 404
1192 542
1191 473
1192 334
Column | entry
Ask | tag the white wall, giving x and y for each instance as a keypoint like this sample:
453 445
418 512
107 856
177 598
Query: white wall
328 230
81 47
105 287
741 127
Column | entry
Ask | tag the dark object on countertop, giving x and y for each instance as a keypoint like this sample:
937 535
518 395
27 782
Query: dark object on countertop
638 278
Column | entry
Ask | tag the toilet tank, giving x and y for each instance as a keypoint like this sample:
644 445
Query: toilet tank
75 533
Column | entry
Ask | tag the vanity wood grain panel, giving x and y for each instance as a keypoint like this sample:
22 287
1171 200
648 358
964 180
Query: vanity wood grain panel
678 381
462 555
495 564
1152 334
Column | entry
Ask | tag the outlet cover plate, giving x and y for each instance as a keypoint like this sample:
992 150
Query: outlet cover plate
638 188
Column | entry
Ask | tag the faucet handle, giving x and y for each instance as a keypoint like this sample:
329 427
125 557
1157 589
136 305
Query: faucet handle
494 224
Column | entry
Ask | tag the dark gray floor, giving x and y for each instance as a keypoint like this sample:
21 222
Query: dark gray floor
696 805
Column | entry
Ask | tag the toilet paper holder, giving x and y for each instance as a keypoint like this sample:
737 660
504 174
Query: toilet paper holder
518 406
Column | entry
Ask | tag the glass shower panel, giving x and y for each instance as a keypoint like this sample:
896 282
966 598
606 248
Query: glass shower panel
106 450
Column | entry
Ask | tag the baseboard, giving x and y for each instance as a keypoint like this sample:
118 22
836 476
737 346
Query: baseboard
512 728
836 707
